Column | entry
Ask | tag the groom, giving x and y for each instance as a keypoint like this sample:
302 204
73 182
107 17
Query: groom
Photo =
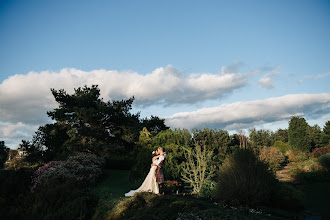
160 172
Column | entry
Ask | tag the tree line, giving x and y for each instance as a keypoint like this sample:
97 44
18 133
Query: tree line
84 122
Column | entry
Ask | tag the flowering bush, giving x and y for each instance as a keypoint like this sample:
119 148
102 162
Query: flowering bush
317 152
82 170
172 186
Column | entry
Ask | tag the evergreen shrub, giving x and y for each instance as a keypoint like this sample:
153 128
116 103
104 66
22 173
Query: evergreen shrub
324 160
283 147
243 178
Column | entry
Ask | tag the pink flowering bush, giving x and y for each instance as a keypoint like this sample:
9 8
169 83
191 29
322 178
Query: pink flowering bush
317 152
82 170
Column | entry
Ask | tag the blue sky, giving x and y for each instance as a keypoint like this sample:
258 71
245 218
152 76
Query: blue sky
195 63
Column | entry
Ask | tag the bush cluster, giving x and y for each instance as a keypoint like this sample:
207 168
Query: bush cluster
324 160
296 155
63 202
82 170
317 152
283 147
243 178
273 156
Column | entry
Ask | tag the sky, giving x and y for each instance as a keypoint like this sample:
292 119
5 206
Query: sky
232 65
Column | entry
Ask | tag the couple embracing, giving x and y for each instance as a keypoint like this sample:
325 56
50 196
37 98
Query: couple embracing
155 179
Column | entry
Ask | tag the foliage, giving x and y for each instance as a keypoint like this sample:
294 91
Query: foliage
19 163
14 184
261 138
326 131
287 196
273 156
62 202
3 153
245 179
172 142
149 206
197 168
324 160
281 135
154 125
317 152
82 170
216 140
283 147
298 134
172 187
86 123
296 155
316 136
208 189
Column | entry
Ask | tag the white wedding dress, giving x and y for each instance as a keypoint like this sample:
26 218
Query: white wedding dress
149 184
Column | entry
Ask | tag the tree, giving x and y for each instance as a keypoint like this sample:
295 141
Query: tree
93 125
281 135
298 134
154 124
197 169
261 138
326 131
216 140
316 136
3 153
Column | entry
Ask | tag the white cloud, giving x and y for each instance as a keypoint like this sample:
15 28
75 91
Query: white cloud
13 133
314 77
26 98
266 81
248 114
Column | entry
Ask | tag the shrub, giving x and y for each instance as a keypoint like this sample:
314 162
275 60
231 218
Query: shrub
317 152
172 187
273 156
197 169
208 189
287 197
83 170
62 202
296 156
324 160
245 179
283 147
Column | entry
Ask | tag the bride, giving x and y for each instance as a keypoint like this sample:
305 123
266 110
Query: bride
149 184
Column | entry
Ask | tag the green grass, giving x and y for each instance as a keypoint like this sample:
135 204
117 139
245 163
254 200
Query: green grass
111 190
116 181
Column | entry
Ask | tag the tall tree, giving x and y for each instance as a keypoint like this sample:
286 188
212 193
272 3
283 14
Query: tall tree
316 136
261 138
281 135
94 125
3 153
154 125
326 131
298 134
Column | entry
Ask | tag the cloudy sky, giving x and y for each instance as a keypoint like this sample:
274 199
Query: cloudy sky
219 64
